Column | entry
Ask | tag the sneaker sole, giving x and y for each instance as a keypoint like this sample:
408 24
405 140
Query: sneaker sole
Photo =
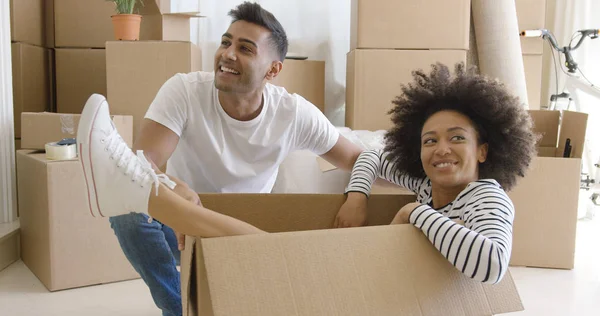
84 136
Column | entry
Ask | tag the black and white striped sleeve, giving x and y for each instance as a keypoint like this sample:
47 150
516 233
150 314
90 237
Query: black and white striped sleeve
375 163
480 249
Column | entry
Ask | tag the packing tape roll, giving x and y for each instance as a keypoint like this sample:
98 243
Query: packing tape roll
60 152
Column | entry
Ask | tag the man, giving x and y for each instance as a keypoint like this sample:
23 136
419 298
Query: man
226 131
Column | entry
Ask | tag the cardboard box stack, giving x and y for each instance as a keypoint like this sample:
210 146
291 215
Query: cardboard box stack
31 60
531 15
137 70
79 31
389 39
305 268
61 243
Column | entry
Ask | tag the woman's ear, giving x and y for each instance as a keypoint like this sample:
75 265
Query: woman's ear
275 69
482 151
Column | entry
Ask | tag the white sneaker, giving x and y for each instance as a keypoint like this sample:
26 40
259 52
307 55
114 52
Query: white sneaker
118 181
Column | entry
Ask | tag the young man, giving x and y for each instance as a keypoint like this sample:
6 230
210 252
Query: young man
226 131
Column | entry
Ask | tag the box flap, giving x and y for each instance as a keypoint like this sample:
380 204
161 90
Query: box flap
573 127
152 7
546 123
354 271
297 212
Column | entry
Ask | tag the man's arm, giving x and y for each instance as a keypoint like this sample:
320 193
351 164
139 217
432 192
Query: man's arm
343 154
158 143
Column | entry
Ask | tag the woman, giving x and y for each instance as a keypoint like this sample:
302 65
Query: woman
458 143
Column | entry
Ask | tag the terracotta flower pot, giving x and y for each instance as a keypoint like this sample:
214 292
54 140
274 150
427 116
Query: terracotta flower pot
127 26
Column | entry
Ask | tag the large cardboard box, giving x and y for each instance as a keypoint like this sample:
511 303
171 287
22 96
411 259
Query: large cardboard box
31 81
425 24
61 243
88 24
533 79
79 74
373 80
38 129
304 77
531 15
137 70
27 22
304 268
546 200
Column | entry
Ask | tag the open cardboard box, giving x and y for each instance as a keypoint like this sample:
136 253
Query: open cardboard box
546 200
305 268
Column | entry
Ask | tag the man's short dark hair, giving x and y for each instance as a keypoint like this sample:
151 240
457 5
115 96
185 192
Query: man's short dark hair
254 13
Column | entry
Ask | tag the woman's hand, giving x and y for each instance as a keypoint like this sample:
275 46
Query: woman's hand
353 212
402 217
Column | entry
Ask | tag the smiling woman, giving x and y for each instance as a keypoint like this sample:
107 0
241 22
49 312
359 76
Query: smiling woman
458 142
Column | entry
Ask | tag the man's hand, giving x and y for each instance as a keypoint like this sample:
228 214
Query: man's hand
402 217
185 192
353 212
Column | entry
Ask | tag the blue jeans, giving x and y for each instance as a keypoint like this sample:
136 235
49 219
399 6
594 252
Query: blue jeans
152 250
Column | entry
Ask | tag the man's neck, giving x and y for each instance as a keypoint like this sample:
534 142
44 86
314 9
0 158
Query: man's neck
242 107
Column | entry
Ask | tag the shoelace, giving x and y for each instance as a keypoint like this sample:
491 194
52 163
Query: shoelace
137 166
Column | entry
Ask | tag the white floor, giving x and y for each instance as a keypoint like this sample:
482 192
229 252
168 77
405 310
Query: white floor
545 292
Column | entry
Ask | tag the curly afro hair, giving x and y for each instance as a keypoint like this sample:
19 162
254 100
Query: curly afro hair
499 118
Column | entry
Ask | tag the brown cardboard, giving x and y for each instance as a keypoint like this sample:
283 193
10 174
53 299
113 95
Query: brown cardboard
533 80
61 243
531 15
31 81
546 124
38 129
79 74
82 24
88 24
546 200
555 130
27 21
304 77
137 70
308 269
425 24
373 80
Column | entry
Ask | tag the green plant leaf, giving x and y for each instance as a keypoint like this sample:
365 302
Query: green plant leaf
125 6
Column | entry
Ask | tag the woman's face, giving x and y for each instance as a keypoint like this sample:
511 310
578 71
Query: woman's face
450 152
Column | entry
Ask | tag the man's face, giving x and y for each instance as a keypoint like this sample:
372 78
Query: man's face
244 58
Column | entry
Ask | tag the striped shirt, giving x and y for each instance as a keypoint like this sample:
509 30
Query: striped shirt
481 248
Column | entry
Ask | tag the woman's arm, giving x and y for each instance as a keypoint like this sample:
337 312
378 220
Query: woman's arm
481 249
375 163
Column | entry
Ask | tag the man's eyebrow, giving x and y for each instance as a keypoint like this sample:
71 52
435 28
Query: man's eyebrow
245 40
248 41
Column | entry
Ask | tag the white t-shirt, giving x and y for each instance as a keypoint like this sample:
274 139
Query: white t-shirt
217 153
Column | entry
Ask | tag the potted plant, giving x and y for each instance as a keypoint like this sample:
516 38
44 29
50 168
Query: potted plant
126 24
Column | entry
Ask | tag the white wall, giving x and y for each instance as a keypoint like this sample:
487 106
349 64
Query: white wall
315 28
